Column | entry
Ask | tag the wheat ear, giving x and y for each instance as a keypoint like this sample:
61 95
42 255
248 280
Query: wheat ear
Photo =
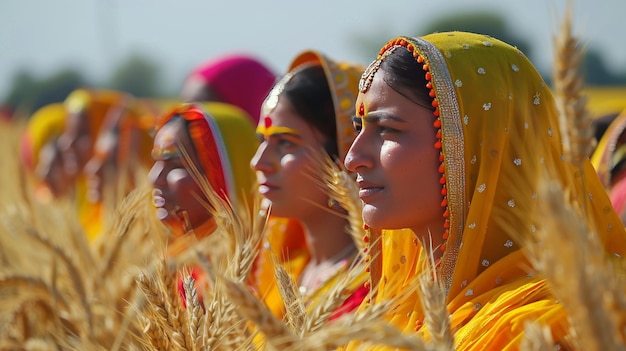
294 306
576 268
433 299
536 338
340 187
574 119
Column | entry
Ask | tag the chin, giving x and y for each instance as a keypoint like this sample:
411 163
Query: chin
380 219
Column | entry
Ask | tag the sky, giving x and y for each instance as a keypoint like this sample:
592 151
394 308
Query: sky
94 36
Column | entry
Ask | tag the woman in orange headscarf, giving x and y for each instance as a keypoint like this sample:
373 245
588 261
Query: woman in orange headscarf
86 111
122 149
220 143
307 112
215 139
457 132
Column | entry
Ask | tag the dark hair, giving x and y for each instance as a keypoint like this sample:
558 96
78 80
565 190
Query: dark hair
309 95
406 76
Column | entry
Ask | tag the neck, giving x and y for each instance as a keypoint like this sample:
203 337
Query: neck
327 236
431 237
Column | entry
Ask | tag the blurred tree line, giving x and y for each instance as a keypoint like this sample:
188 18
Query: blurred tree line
140 76
137 75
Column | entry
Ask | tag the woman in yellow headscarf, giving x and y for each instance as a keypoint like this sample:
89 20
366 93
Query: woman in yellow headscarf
457 131
307 112
40 154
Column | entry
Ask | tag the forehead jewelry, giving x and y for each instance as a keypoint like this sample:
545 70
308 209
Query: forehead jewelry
272 98
368 75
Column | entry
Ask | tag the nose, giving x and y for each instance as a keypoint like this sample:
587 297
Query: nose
358 156
262 161
156 176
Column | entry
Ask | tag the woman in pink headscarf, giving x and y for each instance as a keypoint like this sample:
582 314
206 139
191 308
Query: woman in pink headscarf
238 80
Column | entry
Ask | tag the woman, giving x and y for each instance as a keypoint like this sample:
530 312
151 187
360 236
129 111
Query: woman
456 132
220 144
86 110
238 80
609 160
307 112
121 154
40 153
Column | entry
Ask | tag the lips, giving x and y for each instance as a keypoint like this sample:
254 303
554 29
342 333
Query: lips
157 198
265 188
368 189
159 202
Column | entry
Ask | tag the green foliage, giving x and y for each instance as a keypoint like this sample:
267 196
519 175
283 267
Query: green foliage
29 93
138 76
597 73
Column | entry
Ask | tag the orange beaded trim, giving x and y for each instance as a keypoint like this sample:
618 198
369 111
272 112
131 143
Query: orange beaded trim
383 53
366 240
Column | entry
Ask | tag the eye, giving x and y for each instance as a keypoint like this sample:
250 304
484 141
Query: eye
386 130
357 124
285 143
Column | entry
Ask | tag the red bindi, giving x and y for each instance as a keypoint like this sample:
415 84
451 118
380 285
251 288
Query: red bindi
361 110
268 122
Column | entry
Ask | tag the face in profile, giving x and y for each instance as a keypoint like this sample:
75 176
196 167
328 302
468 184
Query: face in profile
50 169
395 160
284 164
178 198
76 143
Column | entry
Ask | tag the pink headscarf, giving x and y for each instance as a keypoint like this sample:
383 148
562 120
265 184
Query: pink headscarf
238 80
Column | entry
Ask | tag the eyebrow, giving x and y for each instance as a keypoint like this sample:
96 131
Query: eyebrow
292 135
380 116
166 154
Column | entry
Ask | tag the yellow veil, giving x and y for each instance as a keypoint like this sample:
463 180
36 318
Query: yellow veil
45 125
499 137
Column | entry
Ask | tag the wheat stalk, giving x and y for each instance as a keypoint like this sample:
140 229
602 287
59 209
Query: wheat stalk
328 301
536 338
368 327
244 229
276 332
294 306
74 272
574 120
433 299
581 278
340 187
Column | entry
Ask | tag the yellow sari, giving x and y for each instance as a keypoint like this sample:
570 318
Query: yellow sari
285 236
499 134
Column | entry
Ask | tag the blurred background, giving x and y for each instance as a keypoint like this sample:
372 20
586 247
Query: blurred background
147 47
